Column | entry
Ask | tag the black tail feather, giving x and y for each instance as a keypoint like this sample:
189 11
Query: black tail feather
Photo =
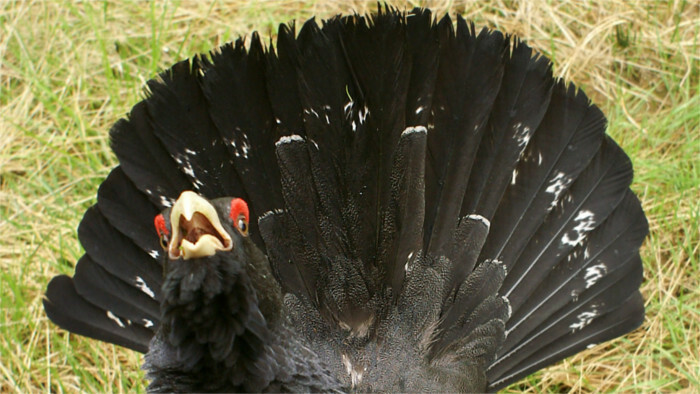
469 237
125 207
476 303
609 248
589 201
234 85
481 284
108 298
282 239
469 78
281 86
380 66
144 159
566 140
325 105
311 196
626 317
421 37
177 112
401 232
516 114
103 243
69 310
123 299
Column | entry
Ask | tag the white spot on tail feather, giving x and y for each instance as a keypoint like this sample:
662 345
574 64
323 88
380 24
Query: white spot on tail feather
514 176
510 308
585 223
419 110
574 295
503 266
408 260
584 319
481 219
166 202
499 263
557 185
411 130
245 149
309 111
574 254
241 147
362 115
270 213
594 273
115 319
347 109
147 323
141 284
522 134
288 138
154 254
187 168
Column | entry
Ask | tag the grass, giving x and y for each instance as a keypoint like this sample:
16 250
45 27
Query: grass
69 70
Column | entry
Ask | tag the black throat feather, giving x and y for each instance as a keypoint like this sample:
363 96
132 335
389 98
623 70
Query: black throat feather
212 328
223 330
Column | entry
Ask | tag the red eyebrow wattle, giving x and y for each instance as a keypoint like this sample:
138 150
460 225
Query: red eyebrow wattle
159 222
239 206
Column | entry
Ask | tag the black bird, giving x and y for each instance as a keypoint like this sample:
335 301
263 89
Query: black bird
379 203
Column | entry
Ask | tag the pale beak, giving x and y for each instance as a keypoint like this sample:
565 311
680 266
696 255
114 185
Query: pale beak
197 230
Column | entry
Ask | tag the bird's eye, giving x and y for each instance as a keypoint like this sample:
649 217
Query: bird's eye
239 215
164 241
242 224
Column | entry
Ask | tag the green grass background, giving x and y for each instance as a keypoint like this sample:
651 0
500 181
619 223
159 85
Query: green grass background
69 70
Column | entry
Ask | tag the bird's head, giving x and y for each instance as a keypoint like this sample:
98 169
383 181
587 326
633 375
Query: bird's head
208 251
211 267
196 228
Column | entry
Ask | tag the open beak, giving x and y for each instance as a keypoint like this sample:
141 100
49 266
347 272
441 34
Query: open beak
197 230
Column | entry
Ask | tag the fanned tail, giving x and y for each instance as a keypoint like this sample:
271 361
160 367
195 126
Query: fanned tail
422 185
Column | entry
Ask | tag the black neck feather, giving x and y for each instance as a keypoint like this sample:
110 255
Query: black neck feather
212 322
